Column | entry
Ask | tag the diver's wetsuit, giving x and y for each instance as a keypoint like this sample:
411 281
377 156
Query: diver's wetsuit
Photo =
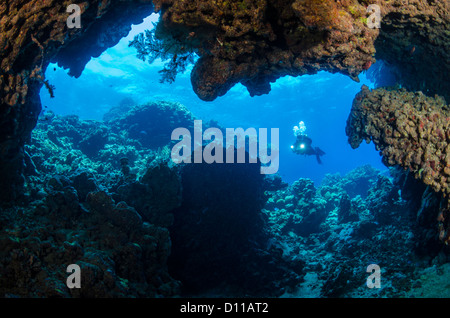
303 146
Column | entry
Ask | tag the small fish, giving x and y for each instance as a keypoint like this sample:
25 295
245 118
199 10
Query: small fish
367 65
190 36
410 50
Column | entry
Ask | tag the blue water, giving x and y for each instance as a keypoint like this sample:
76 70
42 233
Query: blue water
322 101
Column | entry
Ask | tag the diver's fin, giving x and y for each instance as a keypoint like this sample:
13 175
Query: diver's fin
319 152
318 159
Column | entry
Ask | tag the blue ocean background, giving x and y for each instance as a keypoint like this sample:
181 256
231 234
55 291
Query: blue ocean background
323 101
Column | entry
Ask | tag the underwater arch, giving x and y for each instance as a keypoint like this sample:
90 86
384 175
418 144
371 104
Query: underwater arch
41 35
321 100
120 212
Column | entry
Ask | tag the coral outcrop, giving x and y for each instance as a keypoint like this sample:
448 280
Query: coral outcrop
152 124
409 129
256 42
218 234
298 209
156 193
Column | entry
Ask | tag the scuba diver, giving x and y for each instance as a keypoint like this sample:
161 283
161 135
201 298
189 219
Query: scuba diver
302 144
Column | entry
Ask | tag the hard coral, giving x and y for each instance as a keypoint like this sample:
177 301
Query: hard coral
316 13
408 130
256 42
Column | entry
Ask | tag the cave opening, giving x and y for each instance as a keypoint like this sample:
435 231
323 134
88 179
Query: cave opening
96 168
322 101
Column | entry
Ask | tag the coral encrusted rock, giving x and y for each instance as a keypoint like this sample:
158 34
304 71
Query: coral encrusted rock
152 124
415 41
410 130
256 42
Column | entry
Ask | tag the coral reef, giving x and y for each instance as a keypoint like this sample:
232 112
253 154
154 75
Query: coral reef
79 208
139 226
433 283
117 111
356 182
155 195
218 234
135 223
74 185
297 209
152 124
379 228
119 255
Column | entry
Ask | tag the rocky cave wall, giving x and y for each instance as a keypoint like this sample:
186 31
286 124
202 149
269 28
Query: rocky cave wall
253 42
408 123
